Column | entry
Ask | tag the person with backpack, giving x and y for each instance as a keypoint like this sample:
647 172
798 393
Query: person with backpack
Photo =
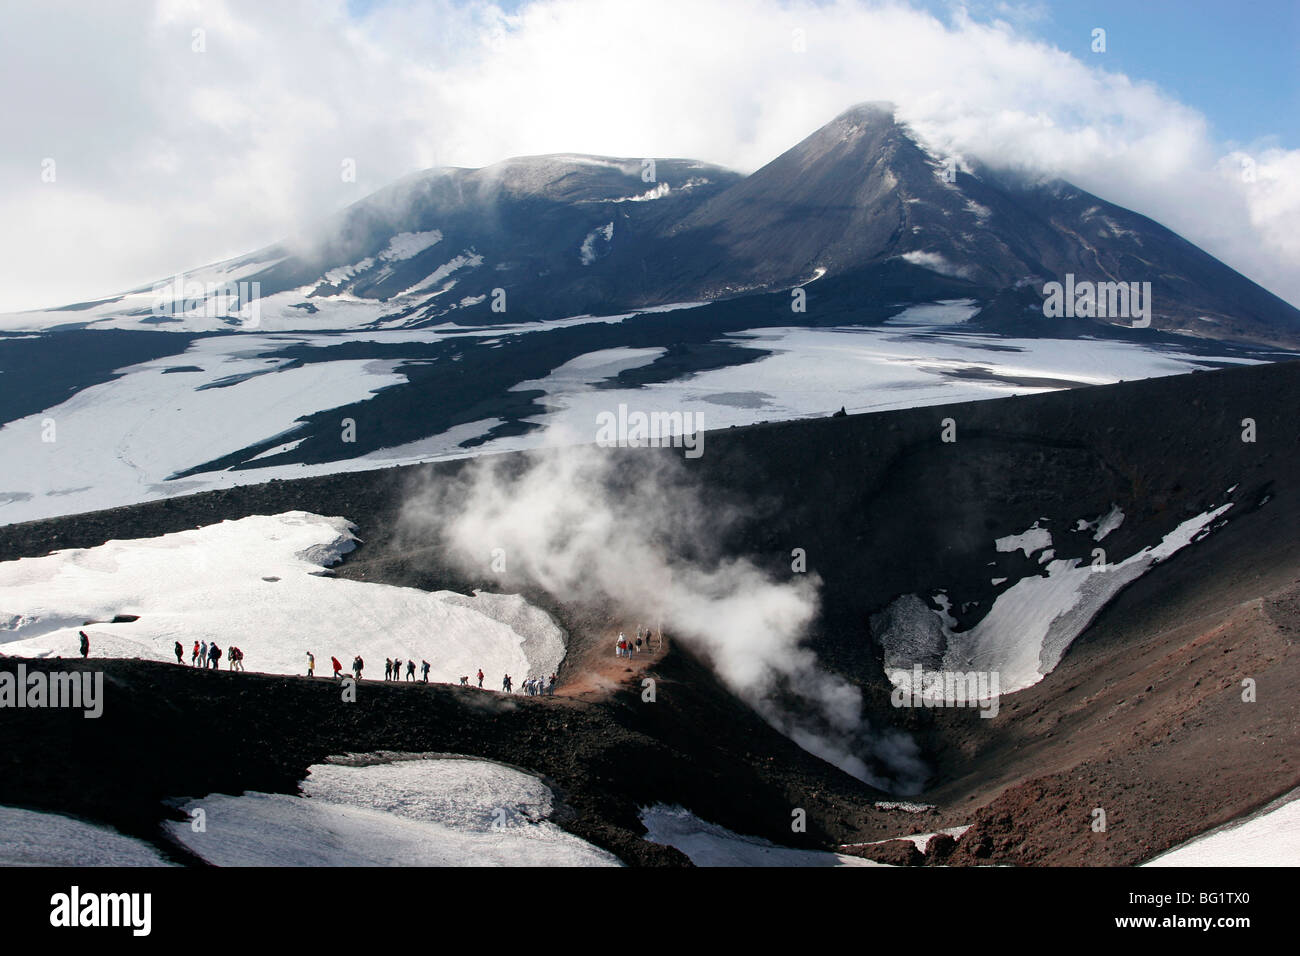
203 655
180 653
388 668
480 677
550 689
214 653
85 643
194 657
505 684
410 670
357 664
464 680
236 659
311 664
397 668
338 668
424 666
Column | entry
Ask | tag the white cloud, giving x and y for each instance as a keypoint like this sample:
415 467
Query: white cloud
168 159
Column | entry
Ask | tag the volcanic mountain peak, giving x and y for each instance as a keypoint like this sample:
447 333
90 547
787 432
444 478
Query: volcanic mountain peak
861 201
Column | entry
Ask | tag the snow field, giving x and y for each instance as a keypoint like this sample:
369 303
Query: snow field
257 583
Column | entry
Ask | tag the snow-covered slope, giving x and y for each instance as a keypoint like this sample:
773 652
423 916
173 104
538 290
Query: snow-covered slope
708 844
258 584
438 811
1031 623
185 423
32 838
1268 838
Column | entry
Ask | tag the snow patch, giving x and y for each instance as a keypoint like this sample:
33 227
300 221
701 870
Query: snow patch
1030 625
942 313
258 583
439 811
1270 837
32 838
1034 539
406 245
707 844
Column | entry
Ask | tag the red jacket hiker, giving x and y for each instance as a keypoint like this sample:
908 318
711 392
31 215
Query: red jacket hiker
338 668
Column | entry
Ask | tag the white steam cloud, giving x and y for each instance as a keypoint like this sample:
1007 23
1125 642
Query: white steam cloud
631 531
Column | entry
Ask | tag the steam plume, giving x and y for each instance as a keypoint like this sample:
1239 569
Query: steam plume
630 529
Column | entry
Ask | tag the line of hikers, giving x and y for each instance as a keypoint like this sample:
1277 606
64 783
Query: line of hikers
533 686
393 670
207 655
625 646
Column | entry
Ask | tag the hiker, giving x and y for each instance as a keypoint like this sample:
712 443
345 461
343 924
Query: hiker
550 689
505 684
388 668
397 668
357 664
338 668
237 659
194 658
480 677
203 654
85 643
311 664
180 653
464 680
214 653
410 670
424 667
638 645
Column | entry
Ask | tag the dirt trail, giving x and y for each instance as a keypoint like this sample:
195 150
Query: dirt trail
596 674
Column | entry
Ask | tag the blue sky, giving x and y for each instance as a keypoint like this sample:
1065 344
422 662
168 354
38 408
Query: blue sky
1238 62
